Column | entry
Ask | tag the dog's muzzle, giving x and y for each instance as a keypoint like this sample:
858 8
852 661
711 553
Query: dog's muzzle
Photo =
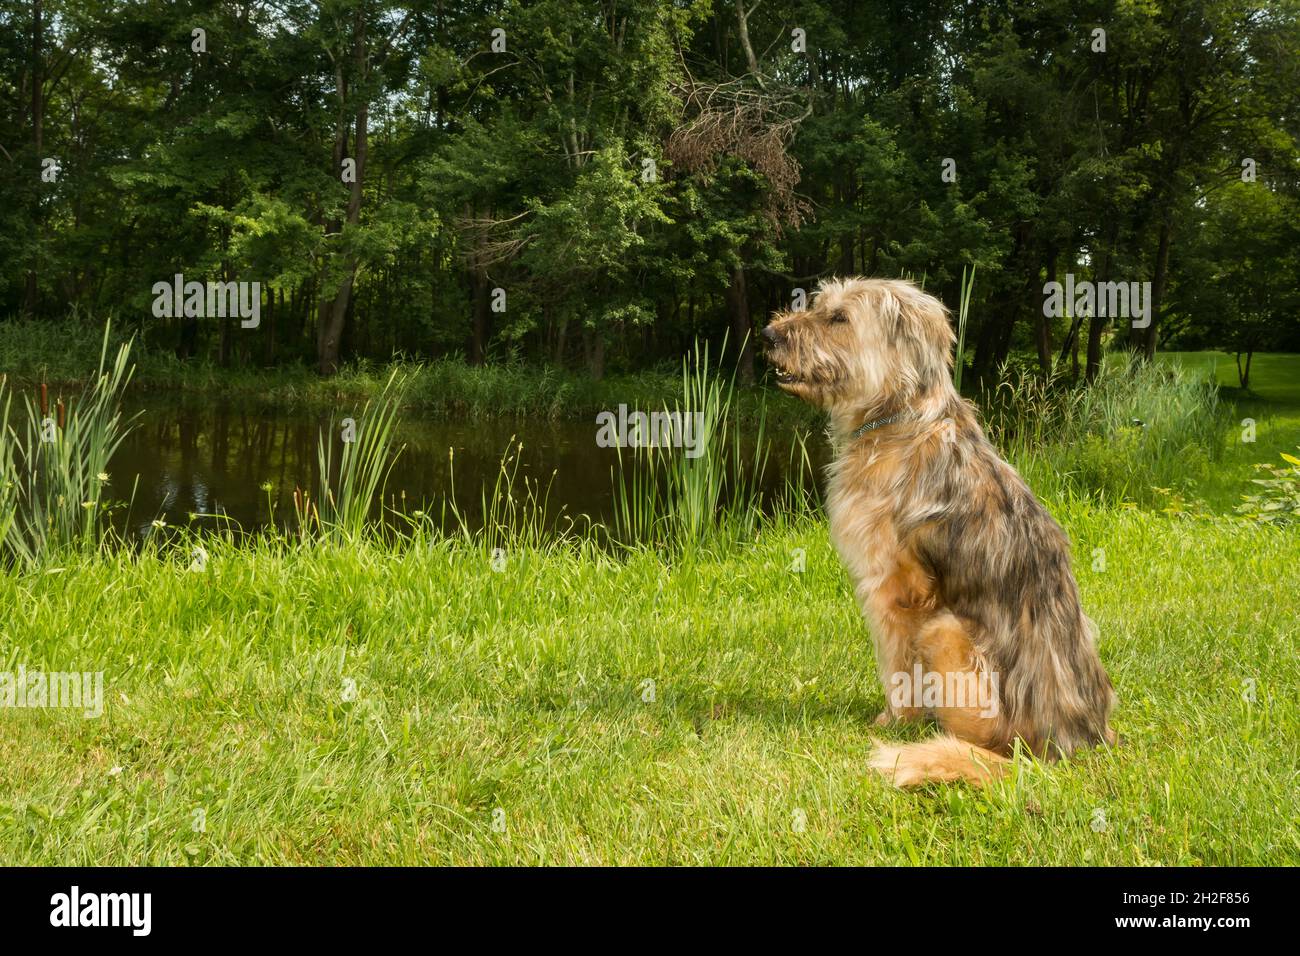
775 340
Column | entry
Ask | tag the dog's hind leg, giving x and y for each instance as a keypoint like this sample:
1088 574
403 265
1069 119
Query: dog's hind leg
966 705
897 607
969 706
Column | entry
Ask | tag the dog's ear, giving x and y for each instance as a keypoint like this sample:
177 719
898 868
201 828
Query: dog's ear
886 306
921 325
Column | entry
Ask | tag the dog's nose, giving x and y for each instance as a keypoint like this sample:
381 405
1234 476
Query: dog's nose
771 336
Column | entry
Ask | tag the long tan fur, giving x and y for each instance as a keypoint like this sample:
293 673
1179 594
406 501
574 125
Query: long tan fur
961 574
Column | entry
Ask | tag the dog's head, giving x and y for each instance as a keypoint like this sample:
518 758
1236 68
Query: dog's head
864 344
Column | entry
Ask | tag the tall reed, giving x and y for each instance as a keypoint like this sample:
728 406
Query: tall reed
665 496
515 512
54 465
963 312
354 479
8 473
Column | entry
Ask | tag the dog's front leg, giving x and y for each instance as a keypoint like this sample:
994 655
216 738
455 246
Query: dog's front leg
897 661
896 604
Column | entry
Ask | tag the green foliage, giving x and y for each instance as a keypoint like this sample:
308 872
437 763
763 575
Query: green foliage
639 180
1279 502
1230 297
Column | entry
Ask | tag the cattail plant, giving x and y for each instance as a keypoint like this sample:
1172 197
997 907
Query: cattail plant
662 495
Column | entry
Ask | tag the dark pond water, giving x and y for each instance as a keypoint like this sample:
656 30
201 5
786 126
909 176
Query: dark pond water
215 458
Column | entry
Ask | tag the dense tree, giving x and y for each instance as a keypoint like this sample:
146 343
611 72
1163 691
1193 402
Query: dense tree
596 182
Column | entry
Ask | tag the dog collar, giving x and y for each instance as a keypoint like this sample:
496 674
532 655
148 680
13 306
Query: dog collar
876 423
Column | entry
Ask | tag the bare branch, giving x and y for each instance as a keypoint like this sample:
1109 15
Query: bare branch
754 125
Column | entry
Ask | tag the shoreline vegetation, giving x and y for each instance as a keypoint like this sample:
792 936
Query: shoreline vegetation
1153 434
64 355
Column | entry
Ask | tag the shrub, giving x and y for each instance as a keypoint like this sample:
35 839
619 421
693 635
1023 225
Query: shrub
1138 427
1279 502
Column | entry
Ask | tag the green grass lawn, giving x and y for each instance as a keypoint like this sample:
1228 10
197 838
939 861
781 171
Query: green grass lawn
520 698
1274 376
1272 403
370 703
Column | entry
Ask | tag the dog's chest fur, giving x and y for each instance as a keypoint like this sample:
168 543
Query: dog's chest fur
861 502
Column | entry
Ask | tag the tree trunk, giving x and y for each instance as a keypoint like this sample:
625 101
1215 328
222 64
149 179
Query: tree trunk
276 307
480 291
1074 358
30 284
189 338
593 347
329 332
334 313
561 337
742 31
224 343
1243 375
995 330
1015 305
1042 325
1147 342
846 255
1096 324
848 240
994 341
738 310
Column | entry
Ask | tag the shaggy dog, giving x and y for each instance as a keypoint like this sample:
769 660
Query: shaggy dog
963 577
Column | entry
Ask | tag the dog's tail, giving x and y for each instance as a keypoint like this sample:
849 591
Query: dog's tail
944 758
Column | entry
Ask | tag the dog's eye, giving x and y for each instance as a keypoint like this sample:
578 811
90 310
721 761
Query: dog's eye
839 316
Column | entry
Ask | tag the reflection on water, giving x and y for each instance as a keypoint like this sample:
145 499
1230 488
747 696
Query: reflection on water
239 463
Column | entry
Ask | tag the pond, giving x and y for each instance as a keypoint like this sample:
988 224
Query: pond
215 459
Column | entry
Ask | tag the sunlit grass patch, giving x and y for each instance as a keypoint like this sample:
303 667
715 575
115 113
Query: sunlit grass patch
356 703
